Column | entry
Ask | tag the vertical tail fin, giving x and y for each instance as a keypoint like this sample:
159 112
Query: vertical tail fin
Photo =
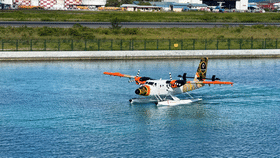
202 69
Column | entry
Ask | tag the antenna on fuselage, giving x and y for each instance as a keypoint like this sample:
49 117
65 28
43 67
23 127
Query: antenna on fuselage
170 76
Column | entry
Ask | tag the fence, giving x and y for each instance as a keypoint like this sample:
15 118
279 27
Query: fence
160 44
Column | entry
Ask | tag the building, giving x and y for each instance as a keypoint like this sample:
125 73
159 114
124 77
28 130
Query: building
266 5
166 6
227 4
178 7
129 7
184 1
5 4
142 8
241 5
256 1
57 4
276 6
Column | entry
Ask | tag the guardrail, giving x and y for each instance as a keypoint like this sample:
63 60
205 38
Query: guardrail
158 44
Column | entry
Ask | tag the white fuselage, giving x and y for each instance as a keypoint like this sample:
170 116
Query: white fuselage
159 87
163 87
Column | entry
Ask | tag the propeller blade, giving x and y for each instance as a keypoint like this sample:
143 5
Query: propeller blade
170 76
138 73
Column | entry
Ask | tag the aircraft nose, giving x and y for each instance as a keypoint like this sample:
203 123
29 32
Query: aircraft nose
137 91
143 90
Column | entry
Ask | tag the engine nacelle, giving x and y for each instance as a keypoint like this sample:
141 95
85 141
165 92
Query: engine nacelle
141 80
143 90
177 83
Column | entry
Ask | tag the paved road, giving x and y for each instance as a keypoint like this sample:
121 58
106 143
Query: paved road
128 24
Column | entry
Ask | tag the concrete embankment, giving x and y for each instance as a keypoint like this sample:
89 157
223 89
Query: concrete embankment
117 55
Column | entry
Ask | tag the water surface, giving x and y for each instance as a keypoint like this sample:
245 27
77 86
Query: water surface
70 109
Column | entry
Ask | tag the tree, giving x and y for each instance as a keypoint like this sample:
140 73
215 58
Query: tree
118 3
144 3
113 3
116 24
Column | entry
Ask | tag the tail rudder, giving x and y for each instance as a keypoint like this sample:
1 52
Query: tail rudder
202 69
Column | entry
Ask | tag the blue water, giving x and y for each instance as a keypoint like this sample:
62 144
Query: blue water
70 109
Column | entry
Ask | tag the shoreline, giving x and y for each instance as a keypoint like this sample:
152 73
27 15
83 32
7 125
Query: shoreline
135 55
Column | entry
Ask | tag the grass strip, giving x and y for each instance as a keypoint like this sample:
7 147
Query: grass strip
79 32
107 16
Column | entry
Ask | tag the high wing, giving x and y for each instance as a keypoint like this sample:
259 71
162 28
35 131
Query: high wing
137 79
118 74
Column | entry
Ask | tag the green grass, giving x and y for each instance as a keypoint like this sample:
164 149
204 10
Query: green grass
79 32
84 38
107 16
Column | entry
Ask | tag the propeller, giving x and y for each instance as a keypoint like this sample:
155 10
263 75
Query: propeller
178 83
138 73
132 80
140 80
170 76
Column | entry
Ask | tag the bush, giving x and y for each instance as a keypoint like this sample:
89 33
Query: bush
46 19
238 30
266 9
106 32
116 23
116 31
45 31
77 25
128 31
258 26
87 36
73 32
220 37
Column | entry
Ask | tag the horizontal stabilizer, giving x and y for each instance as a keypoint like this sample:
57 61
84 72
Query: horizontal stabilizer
217 82
210 82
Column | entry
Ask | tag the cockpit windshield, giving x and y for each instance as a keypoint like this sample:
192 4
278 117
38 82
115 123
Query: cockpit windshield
150 83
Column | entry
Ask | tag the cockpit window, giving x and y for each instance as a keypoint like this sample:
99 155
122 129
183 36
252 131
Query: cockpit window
150 83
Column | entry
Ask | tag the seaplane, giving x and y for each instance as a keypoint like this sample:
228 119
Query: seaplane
163 92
